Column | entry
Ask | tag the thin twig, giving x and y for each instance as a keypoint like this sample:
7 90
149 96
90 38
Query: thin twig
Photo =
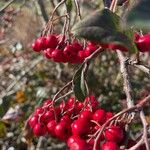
6 5
139 66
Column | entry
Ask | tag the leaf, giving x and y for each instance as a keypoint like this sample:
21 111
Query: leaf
2 129
139 16
103 27
4 105
79 85
130 34
69 5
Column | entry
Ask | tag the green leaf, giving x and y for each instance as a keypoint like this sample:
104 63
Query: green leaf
139 16
2 130
130 34
103 27
79 85
4 105
69 5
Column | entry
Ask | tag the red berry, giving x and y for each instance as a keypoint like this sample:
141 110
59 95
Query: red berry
143 43
79 144
100 116
109 115
80 127
39 110
62 106
66 118
39 129
79 106
81 55
110 146
49 115
63 130
33 121
71 102
72 139
51 126
51 41
47 102
77 47
114 133
48 53
85 115
36 47
57 55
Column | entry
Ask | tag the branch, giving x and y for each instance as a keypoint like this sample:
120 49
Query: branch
43 11
125 75
5 6
139 66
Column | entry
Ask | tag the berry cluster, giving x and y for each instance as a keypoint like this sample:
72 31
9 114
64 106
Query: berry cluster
57 48
143 42
76 123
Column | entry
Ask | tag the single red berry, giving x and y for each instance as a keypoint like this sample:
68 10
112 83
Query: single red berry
51 127
58 55
143 43
100 116
77 47
39 110
41 41
114 133
48 116
39 129
85 115
65 118
80 127
110 146
79 144
48 53
81 55
33 121
79 106
63 106
72 139
36 47
51 41
63 130
71 102
91 144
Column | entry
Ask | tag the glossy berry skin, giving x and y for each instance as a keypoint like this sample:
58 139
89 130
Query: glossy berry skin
57 55
71 102
62 131
51 126
87 115
33 121
100 116
143 43
79 144
51 41
39 110
115 47
39 129
110 146
80 127
109 115
47 102
48 53
114 133
48 116
72 139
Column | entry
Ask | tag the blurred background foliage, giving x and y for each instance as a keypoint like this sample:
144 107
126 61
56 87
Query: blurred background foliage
27 78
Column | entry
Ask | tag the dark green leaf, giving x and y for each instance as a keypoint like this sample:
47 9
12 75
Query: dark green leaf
4 106
69 5
130 34
139 16
79 85
103 27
